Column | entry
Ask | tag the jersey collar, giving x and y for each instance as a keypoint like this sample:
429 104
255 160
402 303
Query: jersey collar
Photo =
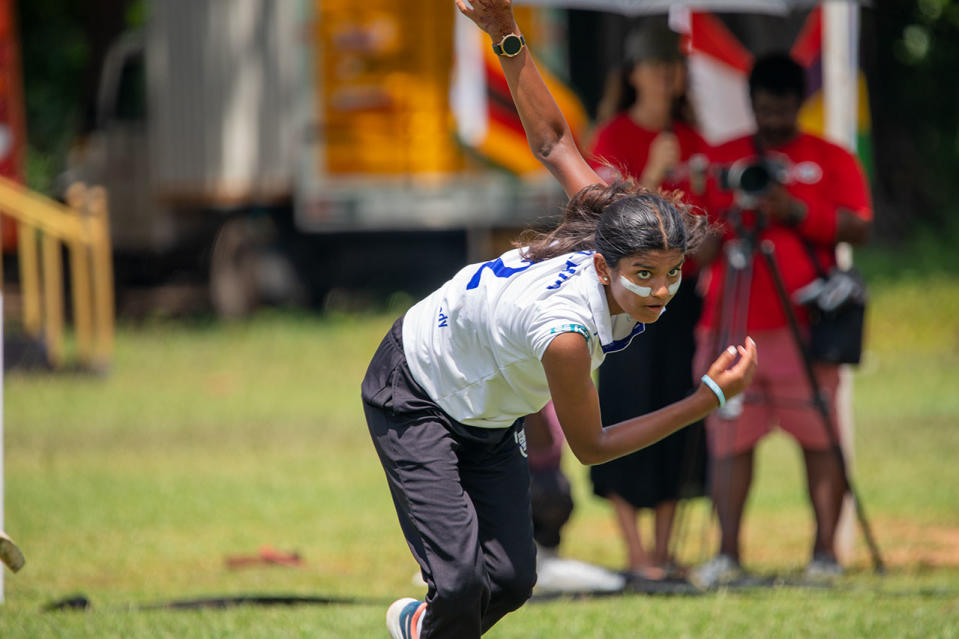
615 333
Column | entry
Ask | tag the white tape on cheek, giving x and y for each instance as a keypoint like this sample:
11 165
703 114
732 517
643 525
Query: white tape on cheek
672 288
642 291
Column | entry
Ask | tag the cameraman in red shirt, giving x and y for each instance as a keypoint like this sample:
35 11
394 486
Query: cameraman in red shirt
818 197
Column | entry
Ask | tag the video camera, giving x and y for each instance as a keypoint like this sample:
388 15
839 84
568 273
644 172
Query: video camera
748 179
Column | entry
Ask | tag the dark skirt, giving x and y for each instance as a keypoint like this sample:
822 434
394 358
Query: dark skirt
655 370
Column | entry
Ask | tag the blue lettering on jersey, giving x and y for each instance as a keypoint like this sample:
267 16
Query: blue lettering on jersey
499 270
569 268
442 318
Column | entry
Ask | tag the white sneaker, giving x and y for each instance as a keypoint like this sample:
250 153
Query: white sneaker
823 568
556 575
404 618
720 570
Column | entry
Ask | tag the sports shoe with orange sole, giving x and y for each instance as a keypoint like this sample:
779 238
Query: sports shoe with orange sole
404 618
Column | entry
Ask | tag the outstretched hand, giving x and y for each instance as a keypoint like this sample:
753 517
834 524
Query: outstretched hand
734 378
495 17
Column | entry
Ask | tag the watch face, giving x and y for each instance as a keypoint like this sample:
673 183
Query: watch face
512 45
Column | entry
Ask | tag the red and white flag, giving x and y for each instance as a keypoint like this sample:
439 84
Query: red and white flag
718 75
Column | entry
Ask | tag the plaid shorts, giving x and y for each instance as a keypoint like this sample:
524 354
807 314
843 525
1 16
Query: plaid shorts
779 396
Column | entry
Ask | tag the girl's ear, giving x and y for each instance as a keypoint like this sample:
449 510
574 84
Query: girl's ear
602 268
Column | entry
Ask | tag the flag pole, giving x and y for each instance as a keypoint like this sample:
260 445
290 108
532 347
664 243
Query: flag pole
840 93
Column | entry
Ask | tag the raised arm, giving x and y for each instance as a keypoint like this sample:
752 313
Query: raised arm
547 133
567 365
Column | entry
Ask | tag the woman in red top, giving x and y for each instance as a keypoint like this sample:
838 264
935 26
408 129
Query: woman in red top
650 136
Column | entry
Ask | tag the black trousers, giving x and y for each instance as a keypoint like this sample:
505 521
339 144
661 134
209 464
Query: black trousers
462 497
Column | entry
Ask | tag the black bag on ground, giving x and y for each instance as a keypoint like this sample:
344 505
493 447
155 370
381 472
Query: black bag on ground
836 302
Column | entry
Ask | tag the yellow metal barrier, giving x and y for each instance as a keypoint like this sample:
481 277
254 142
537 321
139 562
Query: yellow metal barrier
81 226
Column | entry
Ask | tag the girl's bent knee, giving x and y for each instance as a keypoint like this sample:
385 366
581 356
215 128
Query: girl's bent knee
464 594
517 591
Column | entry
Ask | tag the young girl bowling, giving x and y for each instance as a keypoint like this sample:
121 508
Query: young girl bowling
447 390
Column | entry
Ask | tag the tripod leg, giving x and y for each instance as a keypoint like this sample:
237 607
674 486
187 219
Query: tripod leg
734 309
767 250
734 305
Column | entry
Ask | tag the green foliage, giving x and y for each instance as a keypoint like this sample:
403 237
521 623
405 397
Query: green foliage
136 14
927 253
62 45
55 55
914 90
932 20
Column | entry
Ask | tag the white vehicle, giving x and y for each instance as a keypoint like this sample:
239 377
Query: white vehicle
269 140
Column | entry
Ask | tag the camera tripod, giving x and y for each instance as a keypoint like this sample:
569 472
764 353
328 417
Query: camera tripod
740 254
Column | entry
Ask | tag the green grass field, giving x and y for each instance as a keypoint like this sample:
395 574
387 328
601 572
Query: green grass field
208 440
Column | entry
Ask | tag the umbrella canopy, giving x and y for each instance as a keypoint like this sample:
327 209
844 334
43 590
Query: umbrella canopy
645 7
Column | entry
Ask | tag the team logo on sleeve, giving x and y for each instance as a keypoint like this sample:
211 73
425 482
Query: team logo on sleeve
570 328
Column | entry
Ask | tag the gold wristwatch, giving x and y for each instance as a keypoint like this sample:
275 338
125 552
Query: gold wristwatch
510 45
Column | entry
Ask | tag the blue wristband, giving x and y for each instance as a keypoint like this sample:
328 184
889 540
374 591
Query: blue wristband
713 386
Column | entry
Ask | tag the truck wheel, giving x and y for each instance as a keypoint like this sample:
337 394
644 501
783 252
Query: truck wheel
233 286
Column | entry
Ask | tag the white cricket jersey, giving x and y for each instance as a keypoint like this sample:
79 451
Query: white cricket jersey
475 344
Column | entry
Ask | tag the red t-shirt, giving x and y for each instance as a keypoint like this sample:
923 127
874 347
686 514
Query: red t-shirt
826 178
625 145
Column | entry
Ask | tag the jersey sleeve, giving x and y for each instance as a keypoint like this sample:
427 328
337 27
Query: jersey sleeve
546 324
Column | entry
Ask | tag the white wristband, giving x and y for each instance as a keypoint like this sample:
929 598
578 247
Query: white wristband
713 386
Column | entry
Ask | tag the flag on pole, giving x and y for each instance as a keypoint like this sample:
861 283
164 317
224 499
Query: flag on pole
808 52
718 67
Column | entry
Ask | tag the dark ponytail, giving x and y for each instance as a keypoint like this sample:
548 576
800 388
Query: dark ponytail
617 220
